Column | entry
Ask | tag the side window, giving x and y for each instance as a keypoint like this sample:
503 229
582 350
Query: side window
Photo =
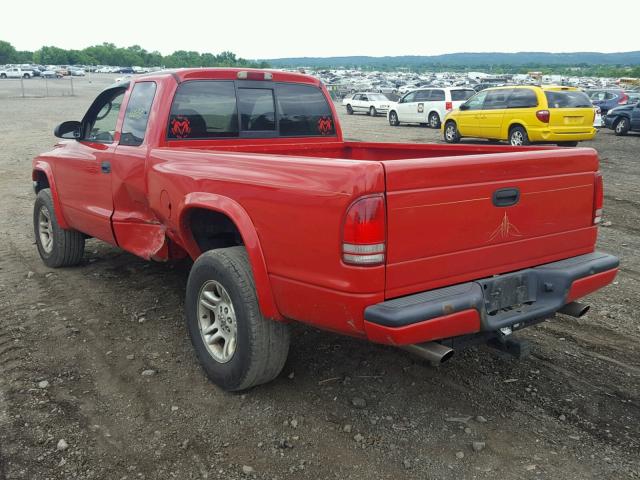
137 114
356 96
303 111
257 109
409 97
496 99
477 101
364 98
437 96
100 121
522 98
422 95
203 109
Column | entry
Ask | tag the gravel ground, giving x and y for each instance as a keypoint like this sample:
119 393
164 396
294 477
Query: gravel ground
98 379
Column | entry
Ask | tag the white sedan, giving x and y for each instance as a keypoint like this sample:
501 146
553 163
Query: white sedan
367 102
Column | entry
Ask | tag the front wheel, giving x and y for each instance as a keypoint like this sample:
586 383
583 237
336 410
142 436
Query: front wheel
451 133
3 75
349 110
393 119
26 75
622 127
57 247
518 136
373 112
237 347
434 120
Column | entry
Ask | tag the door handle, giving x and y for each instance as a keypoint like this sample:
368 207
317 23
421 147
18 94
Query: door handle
105 167
505 197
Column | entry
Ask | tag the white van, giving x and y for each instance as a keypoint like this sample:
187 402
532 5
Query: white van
427 106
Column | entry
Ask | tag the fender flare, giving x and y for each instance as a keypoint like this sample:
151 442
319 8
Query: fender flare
241 219
45 168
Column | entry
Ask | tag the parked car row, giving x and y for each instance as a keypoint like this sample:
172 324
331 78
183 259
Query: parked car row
50 71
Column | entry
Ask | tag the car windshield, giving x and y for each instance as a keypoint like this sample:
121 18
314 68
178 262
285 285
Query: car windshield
377 96
567 99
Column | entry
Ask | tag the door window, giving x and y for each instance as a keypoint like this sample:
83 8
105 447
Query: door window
476 102
422 95
496 99
136 116
100 121
409 97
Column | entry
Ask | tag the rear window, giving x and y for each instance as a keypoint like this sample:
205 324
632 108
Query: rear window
567 99
303 111
461 95
257 109
204 109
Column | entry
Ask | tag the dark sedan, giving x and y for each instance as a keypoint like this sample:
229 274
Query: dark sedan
624 119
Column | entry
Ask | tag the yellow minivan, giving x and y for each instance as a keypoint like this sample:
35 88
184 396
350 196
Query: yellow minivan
523 115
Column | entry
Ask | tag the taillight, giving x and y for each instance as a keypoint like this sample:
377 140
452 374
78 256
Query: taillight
363 234
245 75
623 99
598 199
543 115
448 105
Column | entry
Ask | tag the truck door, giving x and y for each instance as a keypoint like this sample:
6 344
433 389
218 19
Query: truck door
83 175
136 227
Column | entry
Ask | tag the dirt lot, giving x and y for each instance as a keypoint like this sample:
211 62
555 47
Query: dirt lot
74 342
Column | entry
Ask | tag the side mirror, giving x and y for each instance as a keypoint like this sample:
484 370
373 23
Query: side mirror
464 106
69 130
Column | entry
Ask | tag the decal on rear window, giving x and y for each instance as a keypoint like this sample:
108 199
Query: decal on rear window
325 126
180 127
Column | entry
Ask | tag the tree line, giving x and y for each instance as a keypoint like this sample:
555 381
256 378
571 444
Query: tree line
110 54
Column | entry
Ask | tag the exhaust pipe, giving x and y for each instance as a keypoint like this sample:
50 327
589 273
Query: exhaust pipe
434 352
575 309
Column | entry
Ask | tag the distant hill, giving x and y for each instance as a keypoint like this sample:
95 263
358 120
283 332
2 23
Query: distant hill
467 60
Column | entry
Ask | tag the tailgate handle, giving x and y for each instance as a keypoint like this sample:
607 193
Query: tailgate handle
505 197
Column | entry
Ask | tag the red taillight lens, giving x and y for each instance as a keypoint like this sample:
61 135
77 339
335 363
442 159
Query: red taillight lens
448 105
364 232
245 75
598 198
543 115
623 99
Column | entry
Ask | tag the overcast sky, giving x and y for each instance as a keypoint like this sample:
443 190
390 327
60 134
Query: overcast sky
287 28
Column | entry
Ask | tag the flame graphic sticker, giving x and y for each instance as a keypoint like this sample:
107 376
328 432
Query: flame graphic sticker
505 230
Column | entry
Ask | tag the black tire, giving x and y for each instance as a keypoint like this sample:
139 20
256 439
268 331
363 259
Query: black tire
518 136
434 120
372 111
349 110
451 133
567 144
262 345
66 247
622 126
393 119
3 75
26 75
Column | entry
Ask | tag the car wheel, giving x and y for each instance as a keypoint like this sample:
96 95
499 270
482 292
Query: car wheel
567 144
57 247
451 133
373 112
237 347
518 136
349 110
3 75
26 75
393 119
621 127
434 120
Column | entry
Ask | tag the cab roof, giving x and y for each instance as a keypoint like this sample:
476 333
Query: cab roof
184 74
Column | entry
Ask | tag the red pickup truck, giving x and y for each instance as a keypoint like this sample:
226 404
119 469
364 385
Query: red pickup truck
426 247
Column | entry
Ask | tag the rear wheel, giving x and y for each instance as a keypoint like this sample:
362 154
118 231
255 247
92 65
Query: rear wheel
349 110
237 347
372 111
622 126
518 136
393 119
567 144
3 75
451 133
26 75
434 120
57 247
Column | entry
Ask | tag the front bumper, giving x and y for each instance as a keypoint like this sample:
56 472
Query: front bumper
608 121
509 300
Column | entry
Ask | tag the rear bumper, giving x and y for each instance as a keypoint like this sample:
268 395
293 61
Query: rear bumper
487 305
563 134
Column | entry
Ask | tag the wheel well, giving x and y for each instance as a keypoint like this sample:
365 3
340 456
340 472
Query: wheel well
212 229
41 180
433 111
514 125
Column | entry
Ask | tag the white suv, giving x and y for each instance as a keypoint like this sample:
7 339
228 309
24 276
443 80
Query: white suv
427 106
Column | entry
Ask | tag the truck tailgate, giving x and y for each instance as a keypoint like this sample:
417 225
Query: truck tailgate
446 222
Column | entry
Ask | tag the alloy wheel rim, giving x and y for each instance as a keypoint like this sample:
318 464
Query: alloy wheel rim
434 122
217 321
45 229
450 132
517 139
620 126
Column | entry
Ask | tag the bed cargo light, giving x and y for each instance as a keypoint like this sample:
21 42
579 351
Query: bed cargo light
363 233
244 75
